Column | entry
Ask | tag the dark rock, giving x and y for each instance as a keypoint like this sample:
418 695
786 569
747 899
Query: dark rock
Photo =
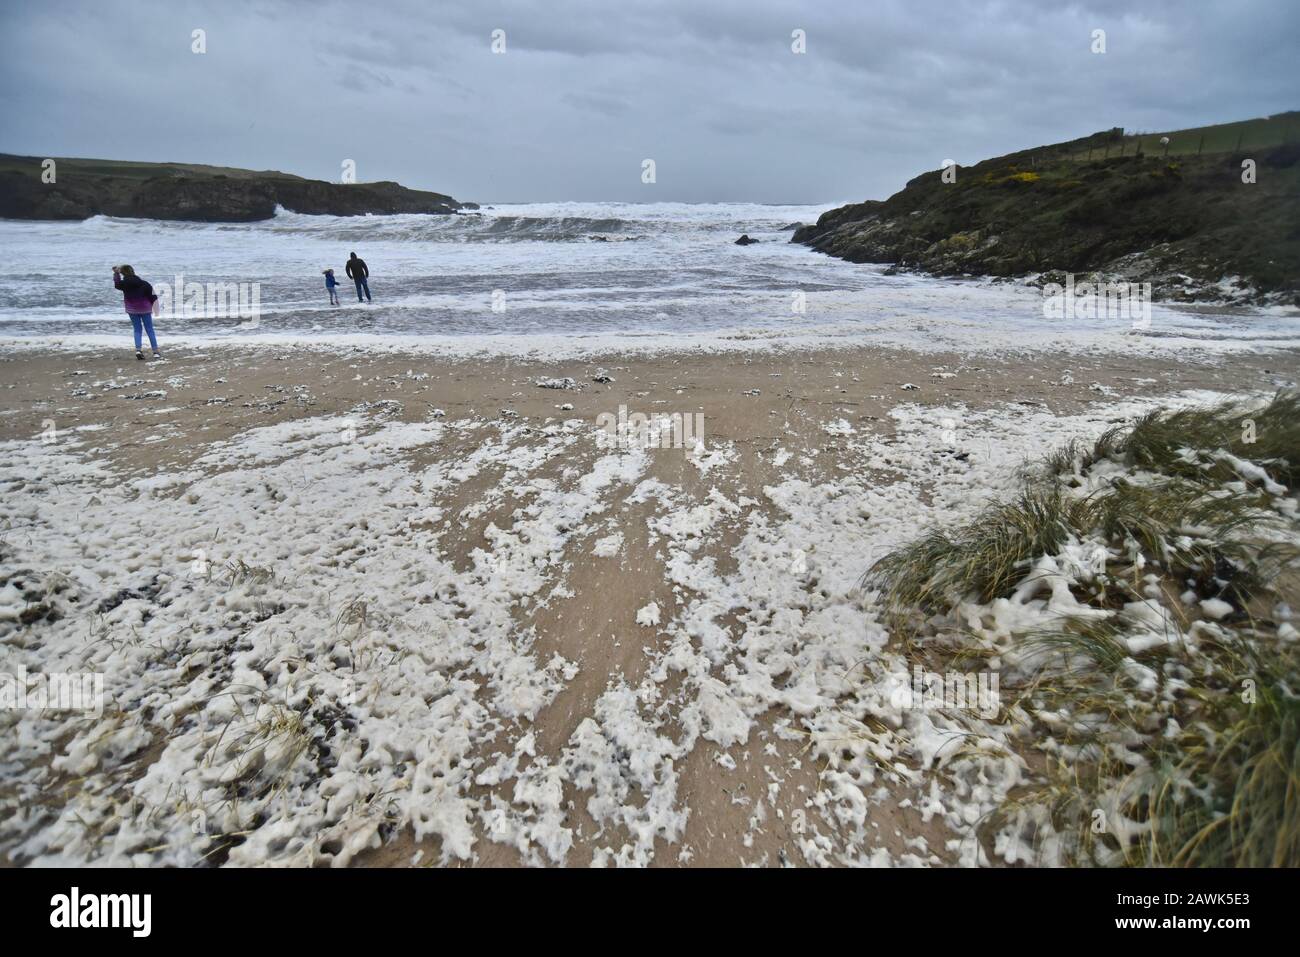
171 191
1181 223
745 241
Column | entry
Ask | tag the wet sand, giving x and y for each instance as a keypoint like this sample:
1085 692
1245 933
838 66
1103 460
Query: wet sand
197 396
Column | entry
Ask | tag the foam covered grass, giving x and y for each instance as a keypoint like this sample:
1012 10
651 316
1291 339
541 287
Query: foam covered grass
1158 713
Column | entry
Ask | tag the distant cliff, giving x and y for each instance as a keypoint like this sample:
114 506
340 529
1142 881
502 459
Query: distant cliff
87 187
1175 214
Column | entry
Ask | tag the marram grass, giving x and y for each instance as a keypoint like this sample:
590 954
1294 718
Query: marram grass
1203 771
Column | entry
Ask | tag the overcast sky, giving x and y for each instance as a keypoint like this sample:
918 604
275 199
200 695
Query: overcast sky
585 91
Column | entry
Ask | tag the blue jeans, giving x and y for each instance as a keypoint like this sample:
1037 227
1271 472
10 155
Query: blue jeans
139 319
362 284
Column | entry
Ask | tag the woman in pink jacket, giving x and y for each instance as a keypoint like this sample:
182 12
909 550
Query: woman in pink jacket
138 297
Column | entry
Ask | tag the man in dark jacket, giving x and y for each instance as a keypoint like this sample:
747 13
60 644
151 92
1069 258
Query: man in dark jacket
359 273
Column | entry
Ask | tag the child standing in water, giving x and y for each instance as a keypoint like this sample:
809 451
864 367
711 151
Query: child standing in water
138 297
330 284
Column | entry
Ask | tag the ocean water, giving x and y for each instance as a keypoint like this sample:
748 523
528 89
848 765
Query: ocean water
556 274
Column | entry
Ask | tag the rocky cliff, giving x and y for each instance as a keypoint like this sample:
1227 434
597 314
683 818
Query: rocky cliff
1137 209
84 188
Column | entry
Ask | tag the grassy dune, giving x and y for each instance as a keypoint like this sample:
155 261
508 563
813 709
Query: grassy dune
1154 693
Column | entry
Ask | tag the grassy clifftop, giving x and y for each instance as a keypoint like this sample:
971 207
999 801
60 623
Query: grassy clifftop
1178 215
184 191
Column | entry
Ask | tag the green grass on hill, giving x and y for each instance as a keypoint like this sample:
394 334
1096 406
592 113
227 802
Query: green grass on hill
1257 134
130 169
1186 222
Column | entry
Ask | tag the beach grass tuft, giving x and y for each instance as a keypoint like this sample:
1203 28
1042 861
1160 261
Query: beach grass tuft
1173 747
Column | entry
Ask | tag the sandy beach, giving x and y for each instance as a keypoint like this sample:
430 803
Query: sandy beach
446 439
355 608
198 396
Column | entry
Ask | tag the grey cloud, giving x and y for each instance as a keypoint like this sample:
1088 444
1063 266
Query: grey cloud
710 90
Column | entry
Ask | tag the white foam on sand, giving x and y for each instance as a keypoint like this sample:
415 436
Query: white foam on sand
309 676
934 334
